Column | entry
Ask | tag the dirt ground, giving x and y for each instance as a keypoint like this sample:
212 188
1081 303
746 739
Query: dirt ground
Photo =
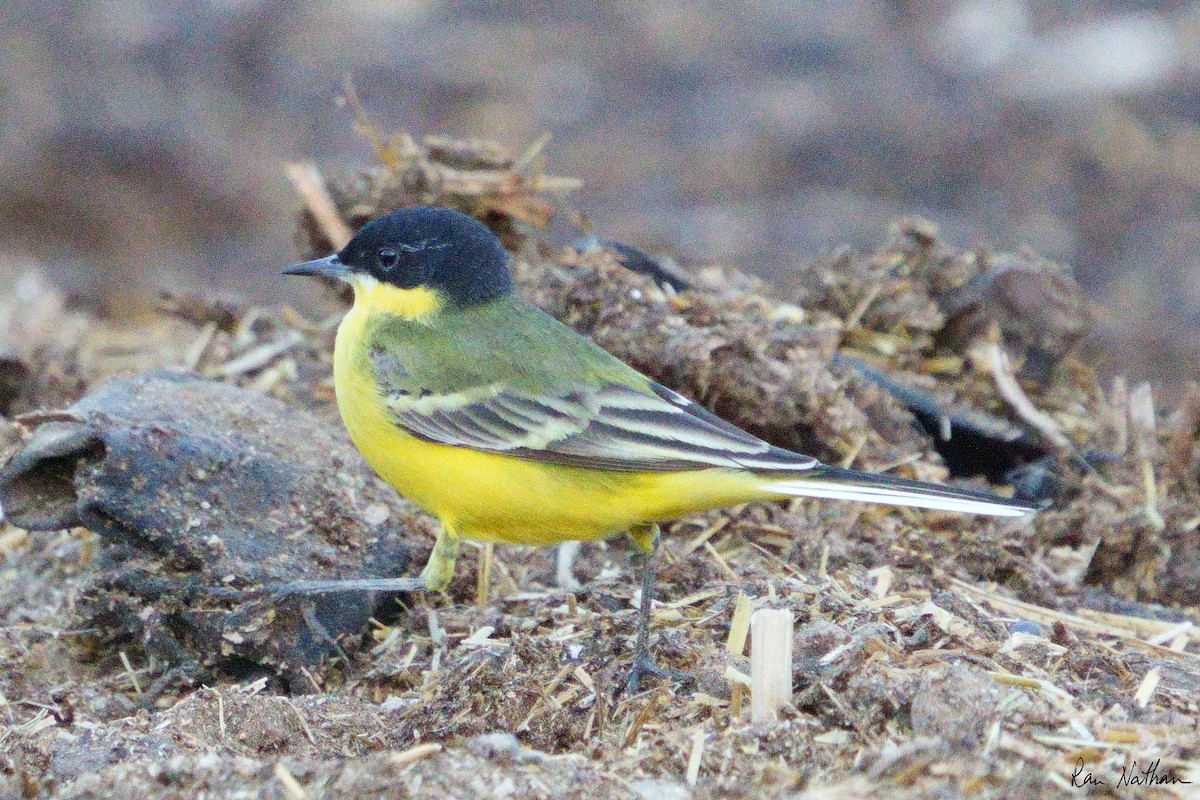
933 655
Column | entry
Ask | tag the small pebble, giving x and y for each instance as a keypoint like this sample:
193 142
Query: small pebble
1027 626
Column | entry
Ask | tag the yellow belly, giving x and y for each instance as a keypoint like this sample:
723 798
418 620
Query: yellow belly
492 497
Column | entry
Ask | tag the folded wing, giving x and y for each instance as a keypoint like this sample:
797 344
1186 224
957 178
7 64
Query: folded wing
612 426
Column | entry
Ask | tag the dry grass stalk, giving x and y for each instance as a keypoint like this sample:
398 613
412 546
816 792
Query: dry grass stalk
483 578
739 625
310 185
1144 430
696 756
998 365
394 153
1147 687
1085 620
133 678
1117 411
414 754
635 727
292 786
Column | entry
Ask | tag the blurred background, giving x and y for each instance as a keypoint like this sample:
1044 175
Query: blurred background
142 144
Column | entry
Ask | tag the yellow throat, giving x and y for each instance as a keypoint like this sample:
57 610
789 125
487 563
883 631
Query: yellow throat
418 304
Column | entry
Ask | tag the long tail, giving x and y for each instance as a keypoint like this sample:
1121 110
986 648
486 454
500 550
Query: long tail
848 484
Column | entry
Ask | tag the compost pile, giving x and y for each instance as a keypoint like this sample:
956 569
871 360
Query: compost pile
934 654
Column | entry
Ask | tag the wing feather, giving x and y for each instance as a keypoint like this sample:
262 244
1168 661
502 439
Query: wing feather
612 426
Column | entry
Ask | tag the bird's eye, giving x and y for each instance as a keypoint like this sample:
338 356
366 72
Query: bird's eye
388 258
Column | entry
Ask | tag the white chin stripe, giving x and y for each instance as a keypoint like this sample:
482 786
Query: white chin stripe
363 281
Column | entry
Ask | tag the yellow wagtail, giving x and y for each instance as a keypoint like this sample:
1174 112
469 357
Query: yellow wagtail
508 426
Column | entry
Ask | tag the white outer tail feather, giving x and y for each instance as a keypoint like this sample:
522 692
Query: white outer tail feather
897 496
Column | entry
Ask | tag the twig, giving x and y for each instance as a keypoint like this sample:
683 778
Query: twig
137 686
395 152
696 757
635 727
413 754
1006 383
32 419
483 577
1147 687
308 183
1145 436
1118 407
533 151
292 786
308 734
861 307
1078 621
220 710
739 625
260 356
191 359
722 563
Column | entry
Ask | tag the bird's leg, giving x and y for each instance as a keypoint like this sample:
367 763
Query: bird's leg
645 536
440 567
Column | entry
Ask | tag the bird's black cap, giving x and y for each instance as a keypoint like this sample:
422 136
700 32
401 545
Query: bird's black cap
438 248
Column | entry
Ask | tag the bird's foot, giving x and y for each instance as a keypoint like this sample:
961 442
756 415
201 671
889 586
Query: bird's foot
439 570
643 666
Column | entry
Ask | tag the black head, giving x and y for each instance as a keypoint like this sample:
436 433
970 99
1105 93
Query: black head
437 248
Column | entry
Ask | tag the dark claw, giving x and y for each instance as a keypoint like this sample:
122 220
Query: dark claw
643 666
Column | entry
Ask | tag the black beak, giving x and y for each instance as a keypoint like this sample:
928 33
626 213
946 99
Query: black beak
327 267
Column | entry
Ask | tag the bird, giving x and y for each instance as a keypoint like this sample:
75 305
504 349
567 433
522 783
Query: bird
508 426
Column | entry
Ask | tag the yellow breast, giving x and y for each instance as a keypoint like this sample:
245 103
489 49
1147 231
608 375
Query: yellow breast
493 497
